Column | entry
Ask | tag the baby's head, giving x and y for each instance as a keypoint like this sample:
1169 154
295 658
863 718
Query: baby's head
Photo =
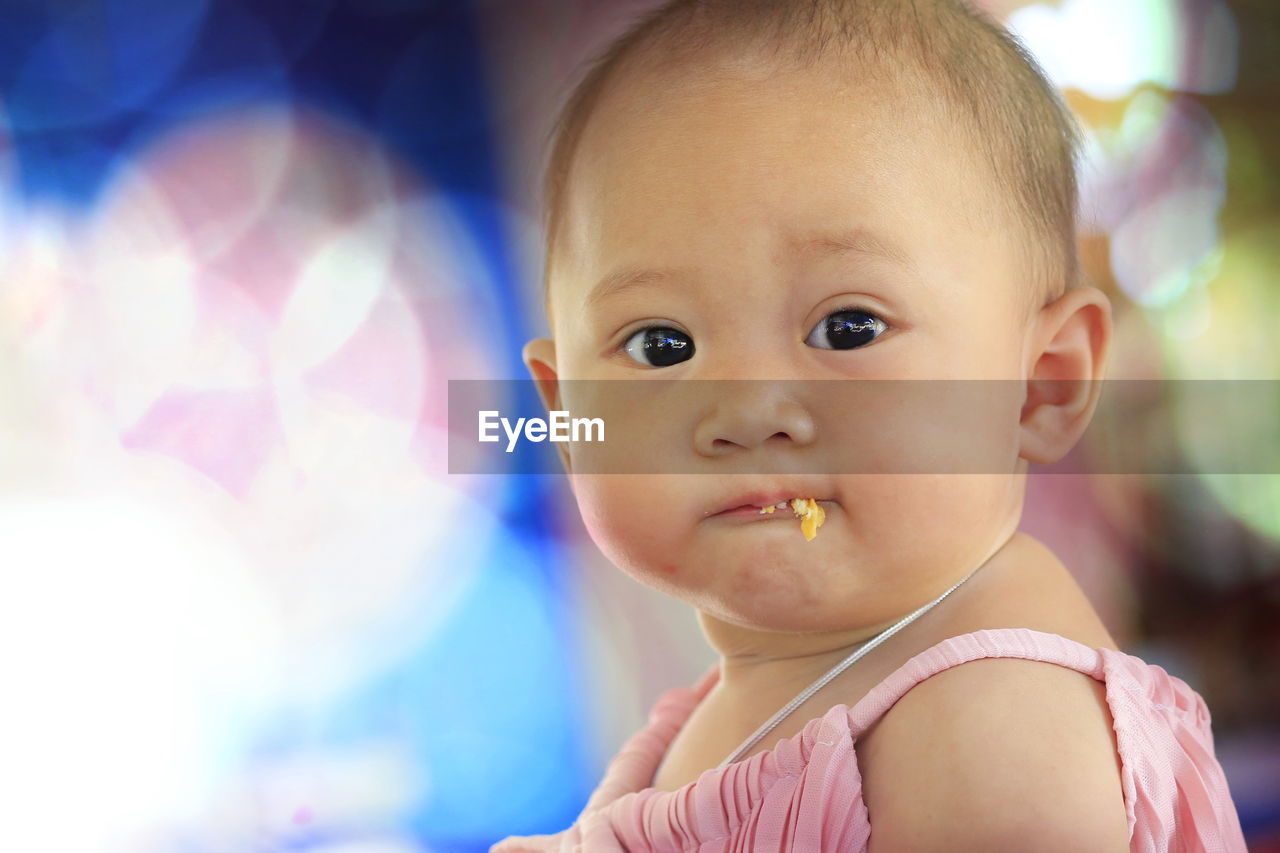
828 189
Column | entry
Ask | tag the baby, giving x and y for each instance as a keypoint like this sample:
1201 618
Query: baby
849 190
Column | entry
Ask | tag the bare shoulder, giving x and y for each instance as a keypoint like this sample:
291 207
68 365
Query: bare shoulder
996 754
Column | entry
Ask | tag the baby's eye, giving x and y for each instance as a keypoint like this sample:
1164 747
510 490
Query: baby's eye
848 329
657 346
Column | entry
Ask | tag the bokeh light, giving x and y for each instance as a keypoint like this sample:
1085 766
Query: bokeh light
1107 48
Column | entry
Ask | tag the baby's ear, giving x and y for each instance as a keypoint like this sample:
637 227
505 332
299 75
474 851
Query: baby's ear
1069 344
540 358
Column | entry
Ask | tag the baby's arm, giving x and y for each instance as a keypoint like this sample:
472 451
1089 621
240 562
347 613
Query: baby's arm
996 755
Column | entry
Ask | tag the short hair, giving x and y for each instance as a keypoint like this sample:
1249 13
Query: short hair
1015 117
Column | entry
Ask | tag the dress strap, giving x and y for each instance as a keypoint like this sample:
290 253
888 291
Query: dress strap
1024 643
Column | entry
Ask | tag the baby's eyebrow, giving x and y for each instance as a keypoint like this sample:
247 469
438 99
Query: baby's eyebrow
626 279
861 241
858 241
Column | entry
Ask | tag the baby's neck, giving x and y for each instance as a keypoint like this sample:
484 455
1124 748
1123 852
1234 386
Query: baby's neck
789 662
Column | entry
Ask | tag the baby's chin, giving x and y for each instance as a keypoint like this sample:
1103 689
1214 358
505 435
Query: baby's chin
782 614
757 590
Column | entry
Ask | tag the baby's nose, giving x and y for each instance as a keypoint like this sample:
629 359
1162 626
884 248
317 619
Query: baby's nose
749 414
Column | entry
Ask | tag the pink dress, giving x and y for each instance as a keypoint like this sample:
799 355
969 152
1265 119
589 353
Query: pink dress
806 793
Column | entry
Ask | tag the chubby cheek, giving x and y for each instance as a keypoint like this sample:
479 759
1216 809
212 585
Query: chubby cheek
933 525
634 523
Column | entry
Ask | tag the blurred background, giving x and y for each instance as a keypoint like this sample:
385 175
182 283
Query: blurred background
243 247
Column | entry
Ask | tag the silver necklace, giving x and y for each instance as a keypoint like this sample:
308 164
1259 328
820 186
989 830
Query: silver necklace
813 688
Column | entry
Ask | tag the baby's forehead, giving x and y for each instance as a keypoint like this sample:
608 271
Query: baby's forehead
802 151
718 118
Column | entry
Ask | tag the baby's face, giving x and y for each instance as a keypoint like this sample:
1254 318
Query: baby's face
773 205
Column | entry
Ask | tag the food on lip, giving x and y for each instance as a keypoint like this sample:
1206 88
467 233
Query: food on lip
807 510
810 514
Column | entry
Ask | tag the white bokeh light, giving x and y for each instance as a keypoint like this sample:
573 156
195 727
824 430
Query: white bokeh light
132 640
1107 48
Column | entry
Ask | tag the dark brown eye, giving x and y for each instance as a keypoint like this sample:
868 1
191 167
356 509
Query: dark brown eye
656 346
848 329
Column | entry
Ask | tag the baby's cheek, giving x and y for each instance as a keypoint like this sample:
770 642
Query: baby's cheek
631 524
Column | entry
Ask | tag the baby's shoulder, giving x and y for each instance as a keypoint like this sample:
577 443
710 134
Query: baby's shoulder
983 753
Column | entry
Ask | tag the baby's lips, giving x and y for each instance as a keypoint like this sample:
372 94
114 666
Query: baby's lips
759 498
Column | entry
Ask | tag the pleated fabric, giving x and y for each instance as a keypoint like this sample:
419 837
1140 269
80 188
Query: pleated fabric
805 794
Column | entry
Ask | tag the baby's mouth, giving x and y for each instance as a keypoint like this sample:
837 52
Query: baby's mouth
810 513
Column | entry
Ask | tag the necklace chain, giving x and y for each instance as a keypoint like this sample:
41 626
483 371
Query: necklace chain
825 679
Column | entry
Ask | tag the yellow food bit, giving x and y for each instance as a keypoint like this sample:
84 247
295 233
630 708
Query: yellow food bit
764 510
810 514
